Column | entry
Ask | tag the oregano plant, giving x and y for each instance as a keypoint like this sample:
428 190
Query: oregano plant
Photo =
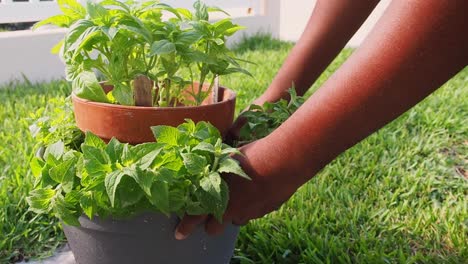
148 51
179 174
261 120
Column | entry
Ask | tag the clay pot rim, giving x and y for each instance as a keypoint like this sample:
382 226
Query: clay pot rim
232 97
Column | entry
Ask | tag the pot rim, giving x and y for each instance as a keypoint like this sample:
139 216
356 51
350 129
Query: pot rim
232 97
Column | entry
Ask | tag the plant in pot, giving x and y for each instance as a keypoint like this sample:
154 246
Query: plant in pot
160 65
120 203
118 192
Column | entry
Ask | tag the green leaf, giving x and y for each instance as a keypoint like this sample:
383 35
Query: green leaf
64 174
146 161
72 8
166 134
114 149
128 194
235 70
39 200
188 37
205 130
142 177
58 20
66 212
110 32
88 204
123 94
194 163
56 49
160 196
185 13
231 31
96 11
86 86
36 165
217 9
94 141
230 165
112 182
162 47
204 146
201 11
212 185
55 150
95 154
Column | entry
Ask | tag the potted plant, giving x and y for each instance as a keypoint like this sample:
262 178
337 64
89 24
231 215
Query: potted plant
120 203
160 65
118 192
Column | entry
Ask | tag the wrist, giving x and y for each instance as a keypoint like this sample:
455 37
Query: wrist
266 165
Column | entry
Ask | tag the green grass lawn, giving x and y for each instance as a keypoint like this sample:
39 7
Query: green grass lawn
399 196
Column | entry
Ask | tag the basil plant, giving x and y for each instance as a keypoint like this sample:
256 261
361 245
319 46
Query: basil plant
150 52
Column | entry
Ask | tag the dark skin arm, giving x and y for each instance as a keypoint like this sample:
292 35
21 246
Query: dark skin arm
415 47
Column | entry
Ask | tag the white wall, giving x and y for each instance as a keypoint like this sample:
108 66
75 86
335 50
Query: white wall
294 15
28 53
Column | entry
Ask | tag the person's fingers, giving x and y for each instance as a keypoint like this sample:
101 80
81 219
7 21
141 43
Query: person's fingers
187 225
240 222
213 227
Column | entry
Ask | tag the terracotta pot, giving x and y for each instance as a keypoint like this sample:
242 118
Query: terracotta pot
131 124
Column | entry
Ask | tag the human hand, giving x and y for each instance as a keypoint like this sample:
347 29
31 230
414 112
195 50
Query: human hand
248 199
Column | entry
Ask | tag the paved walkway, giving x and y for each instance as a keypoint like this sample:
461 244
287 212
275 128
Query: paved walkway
62 256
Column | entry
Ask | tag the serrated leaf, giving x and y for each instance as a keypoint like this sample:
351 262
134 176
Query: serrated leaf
112 182
212 185
88 204
114 149
205 146
160 196
230 165
166 134
144 178
96 154
65 212
55 150
39 200
94 141
64 174
194 163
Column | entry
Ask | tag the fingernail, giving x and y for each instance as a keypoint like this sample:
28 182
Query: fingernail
179 235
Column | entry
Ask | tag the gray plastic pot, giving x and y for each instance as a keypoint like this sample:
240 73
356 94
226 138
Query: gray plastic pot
148 238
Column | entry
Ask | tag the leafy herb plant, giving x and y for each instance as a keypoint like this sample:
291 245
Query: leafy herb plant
181 173
262 120
149 60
